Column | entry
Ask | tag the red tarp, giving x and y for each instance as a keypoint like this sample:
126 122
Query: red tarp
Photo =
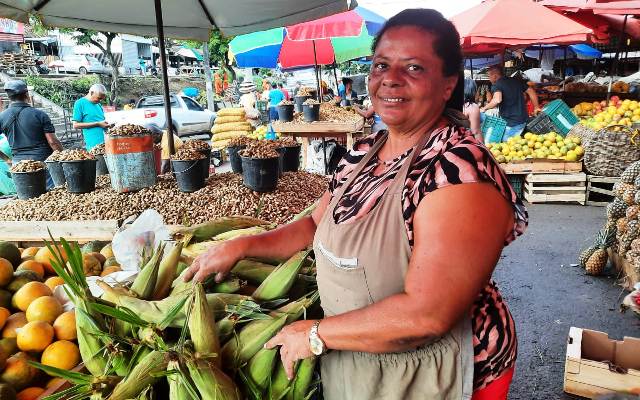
494 25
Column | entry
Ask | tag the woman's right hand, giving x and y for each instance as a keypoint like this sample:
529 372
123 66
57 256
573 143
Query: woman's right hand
219 260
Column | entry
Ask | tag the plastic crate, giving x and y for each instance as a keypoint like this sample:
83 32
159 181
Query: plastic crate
493 129
555 116
517 183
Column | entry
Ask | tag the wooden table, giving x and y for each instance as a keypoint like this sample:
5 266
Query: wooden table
321 129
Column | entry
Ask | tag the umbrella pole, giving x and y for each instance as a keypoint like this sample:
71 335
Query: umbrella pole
335 75
616 62
471 66
165 77
324 142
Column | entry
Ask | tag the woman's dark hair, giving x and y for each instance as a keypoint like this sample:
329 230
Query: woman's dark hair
447 38
470 90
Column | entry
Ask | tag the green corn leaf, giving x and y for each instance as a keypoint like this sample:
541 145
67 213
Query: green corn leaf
253 392
173 313
85 390
75 377
120 313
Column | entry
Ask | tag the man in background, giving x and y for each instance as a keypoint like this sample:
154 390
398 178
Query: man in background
284 91
509 95
89 116
297 88
29 131
275 97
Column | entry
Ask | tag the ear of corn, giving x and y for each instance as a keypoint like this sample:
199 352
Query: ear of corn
229 286
254 230
225 327
211 382
220 144
145 283
302 380
280 385
250 340
253 271
281 279
177 388
167 272
207 230
202 327
295 309
141 376
260 367
91 348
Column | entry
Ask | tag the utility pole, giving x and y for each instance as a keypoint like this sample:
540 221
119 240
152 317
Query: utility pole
207 76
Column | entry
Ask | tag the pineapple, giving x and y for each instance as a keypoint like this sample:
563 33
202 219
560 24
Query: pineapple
597 261
635 245
637 197
636 182
631 173
629 197
632 212
616 208
585 255
619 188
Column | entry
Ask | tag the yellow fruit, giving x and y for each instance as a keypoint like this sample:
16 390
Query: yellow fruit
46 308
62 354
14 322
571 156
110 270
30 252
6 272
528 135
538 145
54 281
106 251
28 293
32 265
18 373
35 336
579 150
32 393
91 265
44 257
4 316
64 326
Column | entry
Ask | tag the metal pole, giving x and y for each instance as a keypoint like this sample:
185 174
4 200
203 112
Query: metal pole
616 64
335 75
471 66
165 77
315 66
324 143
207 76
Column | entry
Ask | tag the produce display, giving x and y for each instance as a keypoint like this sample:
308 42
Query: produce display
286 103
241 141
230 123
311 102
98 150
54 156
261 133
187 154
197 145
35 327
305 91
287 141
74 155
128 130
532 146
622 229
260 149
28 166
329 112
160 334
582 87
224 194
615 114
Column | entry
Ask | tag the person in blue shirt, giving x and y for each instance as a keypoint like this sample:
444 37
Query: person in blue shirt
143 66
275 97
346 92
89 116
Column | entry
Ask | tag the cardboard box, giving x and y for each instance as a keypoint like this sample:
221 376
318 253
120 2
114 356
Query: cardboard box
597 365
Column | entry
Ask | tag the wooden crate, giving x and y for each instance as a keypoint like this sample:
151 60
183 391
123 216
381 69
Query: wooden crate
33 233
600 190
542 166
552 188
596 365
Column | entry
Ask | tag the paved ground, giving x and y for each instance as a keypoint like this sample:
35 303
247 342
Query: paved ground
547 296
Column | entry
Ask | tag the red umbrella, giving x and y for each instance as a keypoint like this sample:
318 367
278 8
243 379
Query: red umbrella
629 7
495 25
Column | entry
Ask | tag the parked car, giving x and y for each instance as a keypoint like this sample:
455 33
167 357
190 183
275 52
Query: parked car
187 116
81 64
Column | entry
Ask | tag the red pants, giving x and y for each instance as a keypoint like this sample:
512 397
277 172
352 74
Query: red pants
496 390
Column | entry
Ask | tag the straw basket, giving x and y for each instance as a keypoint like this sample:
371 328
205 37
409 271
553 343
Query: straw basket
608 153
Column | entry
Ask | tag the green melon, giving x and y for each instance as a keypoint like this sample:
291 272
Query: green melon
10 252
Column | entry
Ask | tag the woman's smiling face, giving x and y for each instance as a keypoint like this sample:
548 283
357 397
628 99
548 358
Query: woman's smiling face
407 86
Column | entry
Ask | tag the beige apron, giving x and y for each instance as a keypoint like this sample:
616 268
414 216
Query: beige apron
366 261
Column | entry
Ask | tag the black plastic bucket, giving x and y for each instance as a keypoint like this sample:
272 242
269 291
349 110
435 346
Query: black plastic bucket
311 112
56 172
80 175
291 159
206 162
298 101
30 184
260 174
280 151
285 113
189 174
101 165
234 158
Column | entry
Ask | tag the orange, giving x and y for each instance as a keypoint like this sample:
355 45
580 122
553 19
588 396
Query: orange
45 308
30 252
62 354
28 293
32 266
6 272
44 257
31 393
18 373
4 315
35 336
65 326
54 281
15 321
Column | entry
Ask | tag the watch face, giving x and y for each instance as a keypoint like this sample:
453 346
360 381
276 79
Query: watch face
317 347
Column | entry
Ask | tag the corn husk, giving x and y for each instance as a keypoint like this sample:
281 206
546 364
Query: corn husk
253 271
202 327
281 279
177 388
260 367
89 343
167 272
211 382
141 376
240 348
229 286
295 309
207 230
280 385
225 327
302 380
236 233
145 283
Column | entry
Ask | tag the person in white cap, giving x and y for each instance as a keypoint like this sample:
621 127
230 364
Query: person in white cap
248 100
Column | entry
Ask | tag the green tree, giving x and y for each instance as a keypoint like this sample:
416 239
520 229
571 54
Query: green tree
103 41
218 51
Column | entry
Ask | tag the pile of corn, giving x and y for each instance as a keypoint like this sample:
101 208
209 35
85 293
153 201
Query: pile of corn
230 123
206 339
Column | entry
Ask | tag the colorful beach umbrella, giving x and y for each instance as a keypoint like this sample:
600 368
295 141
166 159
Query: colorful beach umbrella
320 42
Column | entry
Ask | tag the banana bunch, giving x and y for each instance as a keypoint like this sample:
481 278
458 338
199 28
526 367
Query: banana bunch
206 339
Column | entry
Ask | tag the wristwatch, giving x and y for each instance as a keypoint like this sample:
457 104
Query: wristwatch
315 343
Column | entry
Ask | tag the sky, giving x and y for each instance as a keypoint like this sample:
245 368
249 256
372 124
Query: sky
388 8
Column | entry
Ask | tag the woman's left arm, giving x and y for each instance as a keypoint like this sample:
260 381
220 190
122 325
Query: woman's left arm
459 233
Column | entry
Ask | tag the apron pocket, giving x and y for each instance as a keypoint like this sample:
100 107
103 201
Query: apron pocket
347 264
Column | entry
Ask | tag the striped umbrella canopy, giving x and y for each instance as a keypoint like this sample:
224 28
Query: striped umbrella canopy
338 38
